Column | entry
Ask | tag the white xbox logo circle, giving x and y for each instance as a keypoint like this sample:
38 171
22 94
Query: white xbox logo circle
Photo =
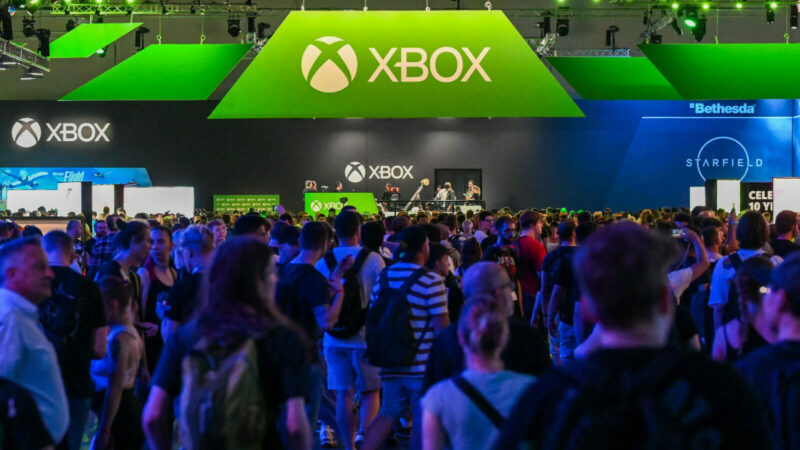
316 205
355 172
329 64
26 132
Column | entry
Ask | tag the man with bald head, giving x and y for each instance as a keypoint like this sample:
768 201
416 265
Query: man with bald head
28 358
527 350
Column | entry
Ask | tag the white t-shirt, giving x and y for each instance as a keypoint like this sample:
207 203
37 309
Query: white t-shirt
721 275
368 276
480 236
679 281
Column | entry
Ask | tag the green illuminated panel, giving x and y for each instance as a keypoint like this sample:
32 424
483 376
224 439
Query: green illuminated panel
729 71
165 72
605 78
86 39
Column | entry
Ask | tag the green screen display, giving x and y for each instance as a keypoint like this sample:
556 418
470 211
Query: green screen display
322 202
606 78
88 38
396 64
165 72
729 71
229 203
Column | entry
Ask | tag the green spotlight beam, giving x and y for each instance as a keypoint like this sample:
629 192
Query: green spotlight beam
86 39
165 72
728 71
611 78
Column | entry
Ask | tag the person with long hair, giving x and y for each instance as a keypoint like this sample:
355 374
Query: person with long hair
750 331
239 306
466 411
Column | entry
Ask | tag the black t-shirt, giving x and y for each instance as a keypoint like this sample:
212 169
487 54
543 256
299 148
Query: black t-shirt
283 363
761 368
783 248
505 256
182 299
21 426
712 403
488 242
550 260
564 276
70 317
527 351
300 290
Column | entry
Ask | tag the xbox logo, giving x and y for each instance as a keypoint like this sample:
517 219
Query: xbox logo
329 64
26 132
316 206
355 172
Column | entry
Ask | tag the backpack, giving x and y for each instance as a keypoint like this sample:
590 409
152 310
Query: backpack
222 405
655 408
390 337
784 403
353 314
60 316
731 309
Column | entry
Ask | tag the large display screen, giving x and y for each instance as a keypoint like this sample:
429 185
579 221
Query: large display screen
49 177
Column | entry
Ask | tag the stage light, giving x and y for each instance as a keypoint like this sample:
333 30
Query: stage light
562 26
262 33
611 38
28 27
102 52
676 6
43 34
770 13
70 25
676 27
691 18
739 5
706 6
234 27
138 40
773 5
793 16
700 30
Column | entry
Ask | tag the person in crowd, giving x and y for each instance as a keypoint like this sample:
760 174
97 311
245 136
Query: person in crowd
467 228
196 247
772 370
485 223
712 239
531 253
28 358
611 399
680 279
372 237
471 253
220 231
468 410
74 320
75 231
20 419
100 231
118 411
345 356
527 350
750 330
752 233
102 251
240 307
252 225
401 386
313 302
288 240
787 231
552 242
504 253
439 263
568 239
157 279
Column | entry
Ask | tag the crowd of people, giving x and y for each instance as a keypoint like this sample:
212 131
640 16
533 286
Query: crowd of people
547 328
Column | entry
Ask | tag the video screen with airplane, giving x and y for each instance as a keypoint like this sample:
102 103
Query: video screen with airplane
49 177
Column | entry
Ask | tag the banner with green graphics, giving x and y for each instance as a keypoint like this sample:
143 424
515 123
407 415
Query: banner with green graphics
396 64
322 202
245 202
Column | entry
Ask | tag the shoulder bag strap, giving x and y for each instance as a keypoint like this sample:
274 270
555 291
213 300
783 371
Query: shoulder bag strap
480 401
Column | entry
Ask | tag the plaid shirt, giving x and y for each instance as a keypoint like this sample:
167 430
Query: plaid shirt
101 252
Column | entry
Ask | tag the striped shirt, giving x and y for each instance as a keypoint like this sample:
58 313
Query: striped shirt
427 299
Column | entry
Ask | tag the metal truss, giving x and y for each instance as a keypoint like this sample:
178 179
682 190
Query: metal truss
23 56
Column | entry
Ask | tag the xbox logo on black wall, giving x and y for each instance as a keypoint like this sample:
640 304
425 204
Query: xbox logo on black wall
329 64
26 132
355 172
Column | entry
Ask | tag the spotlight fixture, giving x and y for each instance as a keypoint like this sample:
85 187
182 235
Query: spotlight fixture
562 23
676 27
234 27
262 30
70 25
611 39
43 34
770 13
691 18
793 16
28 27
700 30
544 25
138 40
192 10
102 52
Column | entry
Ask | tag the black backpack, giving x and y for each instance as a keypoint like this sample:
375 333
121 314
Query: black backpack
60 316
390 338
655 408
731 309
353 314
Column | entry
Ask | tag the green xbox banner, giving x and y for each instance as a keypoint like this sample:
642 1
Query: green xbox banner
322 202
230 203
396 64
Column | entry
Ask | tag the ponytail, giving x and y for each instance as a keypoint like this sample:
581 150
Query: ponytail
483 327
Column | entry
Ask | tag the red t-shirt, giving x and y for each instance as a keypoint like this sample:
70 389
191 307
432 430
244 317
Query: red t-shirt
531 254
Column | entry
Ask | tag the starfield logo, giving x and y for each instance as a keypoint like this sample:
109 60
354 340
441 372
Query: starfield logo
719 108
